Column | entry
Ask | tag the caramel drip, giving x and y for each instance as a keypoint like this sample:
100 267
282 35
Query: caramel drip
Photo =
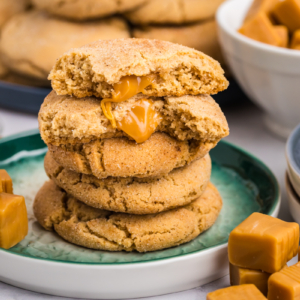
141 121
128 87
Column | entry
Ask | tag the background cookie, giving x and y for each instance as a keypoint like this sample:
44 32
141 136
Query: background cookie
173 11
200 36
86 9
32 41
104 230
134 195
121 157
93 69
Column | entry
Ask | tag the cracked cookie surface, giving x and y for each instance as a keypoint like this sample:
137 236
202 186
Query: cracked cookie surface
93 69
87 9
131 194
32 41
104 230
173 11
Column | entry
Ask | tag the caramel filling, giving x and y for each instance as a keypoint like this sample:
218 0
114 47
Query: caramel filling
141 121
128 87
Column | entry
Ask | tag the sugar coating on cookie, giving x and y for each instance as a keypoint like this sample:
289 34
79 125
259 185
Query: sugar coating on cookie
131 194
93 69
173 11
104 230
121 157
87 9
32 41
206 33
65 120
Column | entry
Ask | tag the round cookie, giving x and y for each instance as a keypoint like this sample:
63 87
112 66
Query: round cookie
174 11
8 8
32 41
121 157
134 195
206 33
86 9
92 70
103 230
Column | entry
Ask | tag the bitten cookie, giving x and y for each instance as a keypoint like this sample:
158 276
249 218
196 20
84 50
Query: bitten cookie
86 9
103 230
134 195
206 33
174 11
32 41
92 70
82 139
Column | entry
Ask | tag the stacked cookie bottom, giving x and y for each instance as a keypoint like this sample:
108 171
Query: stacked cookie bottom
128 213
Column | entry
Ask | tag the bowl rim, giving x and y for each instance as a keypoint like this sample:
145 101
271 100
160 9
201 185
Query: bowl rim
290 144
273 210
221 14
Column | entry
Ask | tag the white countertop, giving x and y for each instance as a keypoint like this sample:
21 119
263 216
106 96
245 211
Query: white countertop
247 131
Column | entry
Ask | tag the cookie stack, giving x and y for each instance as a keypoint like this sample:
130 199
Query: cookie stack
129 126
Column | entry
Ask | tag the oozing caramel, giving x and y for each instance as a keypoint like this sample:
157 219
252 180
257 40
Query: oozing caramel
126 88
141 121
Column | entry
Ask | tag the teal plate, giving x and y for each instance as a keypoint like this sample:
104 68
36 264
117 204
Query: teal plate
246 186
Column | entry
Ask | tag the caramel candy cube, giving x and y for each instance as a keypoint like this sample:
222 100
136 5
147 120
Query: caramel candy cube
285 285
295 40
239 276
264 243
7 184
283 33
261 29
13 220
240 292
287 12
258 6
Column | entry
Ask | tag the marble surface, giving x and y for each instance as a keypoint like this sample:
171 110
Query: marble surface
247 130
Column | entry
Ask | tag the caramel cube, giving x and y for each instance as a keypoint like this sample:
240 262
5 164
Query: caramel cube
239 276
285 285
258 6
287 12
283 33
7 184
261 29
240 292
13 220
295 40
264 243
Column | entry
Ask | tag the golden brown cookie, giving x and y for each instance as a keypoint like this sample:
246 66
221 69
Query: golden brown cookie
32 41
200 36
134 195
103 230
121 157
93 69
173 11
65 120
9 8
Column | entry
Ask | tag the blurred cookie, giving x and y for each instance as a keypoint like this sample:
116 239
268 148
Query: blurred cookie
3 70
134 195
9 8
14 78
201 36
86 9
32 41
173 11
93 69
103 230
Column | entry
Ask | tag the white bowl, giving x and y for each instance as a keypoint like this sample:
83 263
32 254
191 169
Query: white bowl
269 75
294 200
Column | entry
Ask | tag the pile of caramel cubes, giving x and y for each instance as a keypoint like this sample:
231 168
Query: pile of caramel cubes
274 22
13 214
258 251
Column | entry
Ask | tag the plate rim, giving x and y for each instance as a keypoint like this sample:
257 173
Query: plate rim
273 209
